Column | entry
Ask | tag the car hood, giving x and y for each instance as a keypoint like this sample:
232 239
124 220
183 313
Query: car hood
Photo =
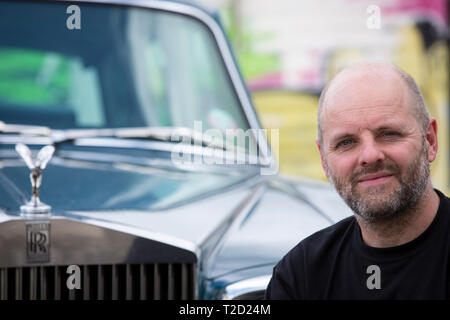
231 221
74 185
286 212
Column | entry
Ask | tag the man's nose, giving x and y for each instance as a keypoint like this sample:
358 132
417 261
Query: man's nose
370 153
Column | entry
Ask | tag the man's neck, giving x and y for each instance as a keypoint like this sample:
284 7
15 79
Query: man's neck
404 228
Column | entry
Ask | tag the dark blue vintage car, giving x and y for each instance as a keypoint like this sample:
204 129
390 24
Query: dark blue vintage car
118 178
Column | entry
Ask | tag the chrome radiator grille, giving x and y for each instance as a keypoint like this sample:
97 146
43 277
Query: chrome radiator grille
174 281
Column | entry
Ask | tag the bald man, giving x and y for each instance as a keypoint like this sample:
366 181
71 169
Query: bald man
376 140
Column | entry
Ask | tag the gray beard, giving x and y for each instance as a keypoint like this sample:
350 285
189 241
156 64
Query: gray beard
375 206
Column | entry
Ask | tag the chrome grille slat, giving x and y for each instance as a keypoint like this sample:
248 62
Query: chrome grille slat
100 283
18 281
4 283
117 282
86 283
57 279
143 281
170 283
33 283
156 283
43 283
129 282
184 282
72 294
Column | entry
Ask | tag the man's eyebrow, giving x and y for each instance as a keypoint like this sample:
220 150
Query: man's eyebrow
388 127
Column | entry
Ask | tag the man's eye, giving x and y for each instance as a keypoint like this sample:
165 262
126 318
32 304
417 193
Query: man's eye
344 143
390 133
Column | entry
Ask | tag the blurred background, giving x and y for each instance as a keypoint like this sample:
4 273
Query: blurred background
289 49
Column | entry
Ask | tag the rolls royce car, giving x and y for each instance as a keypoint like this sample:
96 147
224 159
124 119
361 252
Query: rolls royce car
132 162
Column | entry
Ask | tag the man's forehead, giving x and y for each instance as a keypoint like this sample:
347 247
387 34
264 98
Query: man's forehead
360 99
360 89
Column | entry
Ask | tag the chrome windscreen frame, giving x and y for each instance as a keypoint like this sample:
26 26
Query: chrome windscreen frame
224 49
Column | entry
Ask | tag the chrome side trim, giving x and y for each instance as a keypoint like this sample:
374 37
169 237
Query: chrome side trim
239 288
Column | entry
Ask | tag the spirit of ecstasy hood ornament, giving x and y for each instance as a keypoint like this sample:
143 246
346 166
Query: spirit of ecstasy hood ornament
35 206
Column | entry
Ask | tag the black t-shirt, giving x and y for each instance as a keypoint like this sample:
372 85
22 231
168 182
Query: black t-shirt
335 263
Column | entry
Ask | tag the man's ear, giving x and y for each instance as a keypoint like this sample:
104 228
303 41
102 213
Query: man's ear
324 165
432 139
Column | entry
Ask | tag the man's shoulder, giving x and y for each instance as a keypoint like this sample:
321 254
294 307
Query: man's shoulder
444 205
323 240
443 197
329 237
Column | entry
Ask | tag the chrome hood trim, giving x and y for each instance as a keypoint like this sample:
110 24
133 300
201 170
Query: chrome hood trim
66 241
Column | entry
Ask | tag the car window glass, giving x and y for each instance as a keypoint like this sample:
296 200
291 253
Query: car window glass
36 84
124 67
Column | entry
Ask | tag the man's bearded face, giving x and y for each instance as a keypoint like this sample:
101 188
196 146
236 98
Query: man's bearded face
387 200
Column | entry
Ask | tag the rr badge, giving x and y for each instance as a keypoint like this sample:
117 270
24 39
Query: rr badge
38 241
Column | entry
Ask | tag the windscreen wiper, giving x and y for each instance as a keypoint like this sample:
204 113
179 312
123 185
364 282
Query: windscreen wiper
25 129
156 133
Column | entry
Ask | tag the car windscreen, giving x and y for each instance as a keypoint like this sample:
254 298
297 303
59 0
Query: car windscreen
116 66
